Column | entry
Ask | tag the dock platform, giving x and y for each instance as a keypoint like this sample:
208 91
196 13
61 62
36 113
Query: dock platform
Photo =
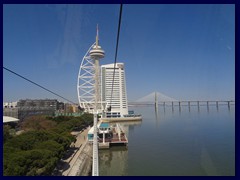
121 119
118 137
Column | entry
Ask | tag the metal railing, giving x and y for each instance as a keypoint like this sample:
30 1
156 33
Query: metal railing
95 168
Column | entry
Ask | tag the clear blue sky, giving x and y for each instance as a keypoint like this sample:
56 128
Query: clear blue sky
184 51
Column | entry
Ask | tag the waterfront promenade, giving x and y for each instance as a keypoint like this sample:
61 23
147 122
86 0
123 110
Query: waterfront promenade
79 161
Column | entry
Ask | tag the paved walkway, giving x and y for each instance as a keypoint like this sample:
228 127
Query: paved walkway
71 161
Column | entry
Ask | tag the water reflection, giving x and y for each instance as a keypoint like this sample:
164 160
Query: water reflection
157 116
114 159
182 144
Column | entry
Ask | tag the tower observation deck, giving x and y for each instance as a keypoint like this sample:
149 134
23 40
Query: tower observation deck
97 52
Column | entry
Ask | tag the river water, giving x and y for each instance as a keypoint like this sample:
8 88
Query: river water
174 142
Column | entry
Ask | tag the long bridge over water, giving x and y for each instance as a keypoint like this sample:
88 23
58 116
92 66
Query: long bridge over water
157 98
189 103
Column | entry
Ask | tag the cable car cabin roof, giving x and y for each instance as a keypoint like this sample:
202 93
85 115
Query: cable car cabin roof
104 125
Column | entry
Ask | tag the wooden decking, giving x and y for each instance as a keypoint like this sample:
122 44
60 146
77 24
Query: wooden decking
114 139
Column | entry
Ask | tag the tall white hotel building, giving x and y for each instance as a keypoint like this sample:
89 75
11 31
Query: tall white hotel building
119 103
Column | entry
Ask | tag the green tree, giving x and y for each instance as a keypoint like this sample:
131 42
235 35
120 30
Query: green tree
31 163
6 133
38 122
56 148
36 151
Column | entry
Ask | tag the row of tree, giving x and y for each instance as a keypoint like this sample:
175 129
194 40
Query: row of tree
44 141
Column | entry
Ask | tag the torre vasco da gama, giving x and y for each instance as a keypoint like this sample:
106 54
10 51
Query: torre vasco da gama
101 89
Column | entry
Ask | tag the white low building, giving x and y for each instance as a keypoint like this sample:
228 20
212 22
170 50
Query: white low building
10 104
7 119
116 95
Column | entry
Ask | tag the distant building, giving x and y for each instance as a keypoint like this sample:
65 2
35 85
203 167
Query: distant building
10 109
11 112
118 102
27 107
10 104
38 103
70 108
67 109
61 106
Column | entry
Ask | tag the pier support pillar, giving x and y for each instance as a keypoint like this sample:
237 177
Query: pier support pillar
229 105
172 107
104 137
217 105
208 106
164 106
189 106
198 106
179 106
156 105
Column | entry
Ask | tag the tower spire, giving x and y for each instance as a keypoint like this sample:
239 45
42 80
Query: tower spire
97 37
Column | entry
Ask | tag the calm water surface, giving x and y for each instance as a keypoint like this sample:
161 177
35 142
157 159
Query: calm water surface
175 143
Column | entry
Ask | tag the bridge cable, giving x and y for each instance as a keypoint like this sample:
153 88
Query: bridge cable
116 51
37 84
